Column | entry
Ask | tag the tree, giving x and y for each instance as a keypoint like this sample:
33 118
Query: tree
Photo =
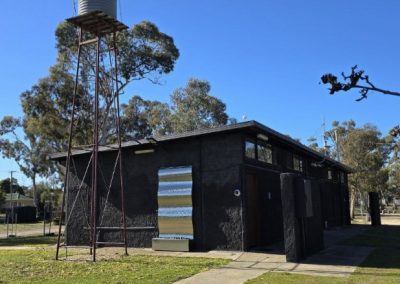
6 188
142 118
45 193
393 168
363 150
144 53
194 108
191 108
356 80
359 81
30 153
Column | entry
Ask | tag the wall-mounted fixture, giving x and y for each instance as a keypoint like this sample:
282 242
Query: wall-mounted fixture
152 140
262 137
237 192
144 151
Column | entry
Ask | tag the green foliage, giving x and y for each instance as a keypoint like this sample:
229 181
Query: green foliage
365 151
30 152
142 118
5 186
45 193
39 266
192 107
144 52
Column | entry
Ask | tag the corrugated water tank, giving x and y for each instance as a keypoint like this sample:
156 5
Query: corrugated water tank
107 6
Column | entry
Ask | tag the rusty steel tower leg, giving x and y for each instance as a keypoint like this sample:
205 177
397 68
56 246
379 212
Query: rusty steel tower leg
118 126
95 150
71 128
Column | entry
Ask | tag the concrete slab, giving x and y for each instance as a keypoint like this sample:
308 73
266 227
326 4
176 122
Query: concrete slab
249 256
223 275
240 264
336 260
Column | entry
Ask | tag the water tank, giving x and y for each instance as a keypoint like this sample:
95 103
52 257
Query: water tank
107 6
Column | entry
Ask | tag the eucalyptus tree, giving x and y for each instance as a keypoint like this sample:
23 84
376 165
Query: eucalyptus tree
192 107
144 53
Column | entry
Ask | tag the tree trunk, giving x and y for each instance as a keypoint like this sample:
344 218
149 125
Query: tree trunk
35 201
352 202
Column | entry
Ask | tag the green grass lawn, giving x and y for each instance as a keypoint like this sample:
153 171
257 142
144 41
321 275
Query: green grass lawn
39 266
35 225
29 241
381 266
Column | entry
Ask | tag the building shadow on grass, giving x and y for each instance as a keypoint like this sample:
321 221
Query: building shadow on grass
360 245
28 241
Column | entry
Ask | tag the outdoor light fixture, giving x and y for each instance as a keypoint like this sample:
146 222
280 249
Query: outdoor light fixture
262 137
145 151
152 140
236 192
316 165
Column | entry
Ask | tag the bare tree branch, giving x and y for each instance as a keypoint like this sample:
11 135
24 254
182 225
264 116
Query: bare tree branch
356 80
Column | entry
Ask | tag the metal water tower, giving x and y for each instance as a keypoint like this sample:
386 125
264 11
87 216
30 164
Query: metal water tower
98 29
109 7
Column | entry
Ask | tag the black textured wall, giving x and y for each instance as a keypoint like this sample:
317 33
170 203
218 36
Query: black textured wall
215 161
374 209
219 168
303 233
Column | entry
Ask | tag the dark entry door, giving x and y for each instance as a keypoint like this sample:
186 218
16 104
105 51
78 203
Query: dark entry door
252 211
264 225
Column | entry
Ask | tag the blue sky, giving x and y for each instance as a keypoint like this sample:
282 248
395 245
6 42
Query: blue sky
263 58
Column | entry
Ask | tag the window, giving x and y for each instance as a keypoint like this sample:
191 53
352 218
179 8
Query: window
264 152
250 149
289 160
330 175
297 163
342 178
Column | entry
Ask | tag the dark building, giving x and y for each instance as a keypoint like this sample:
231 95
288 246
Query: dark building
236 188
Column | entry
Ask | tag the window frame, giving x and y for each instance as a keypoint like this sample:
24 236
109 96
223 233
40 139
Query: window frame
299 159
267 146
250 141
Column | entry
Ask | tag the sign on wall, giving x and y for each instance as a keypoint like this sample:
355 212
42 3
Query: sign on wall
175 203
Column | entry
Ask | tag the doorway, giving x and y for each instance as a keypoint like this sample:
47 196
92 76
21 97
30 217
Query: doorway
264 222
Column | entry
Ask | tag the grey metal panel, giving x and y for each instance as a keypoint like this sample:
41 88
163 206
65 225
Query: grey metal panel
107 6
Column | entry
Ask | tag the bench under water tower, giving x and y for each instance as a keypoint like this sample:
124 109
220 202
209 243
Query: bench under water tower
97 28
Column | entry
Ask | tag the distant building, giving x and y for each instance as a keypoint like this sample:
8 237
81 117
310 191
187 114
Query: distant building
18 200
229 179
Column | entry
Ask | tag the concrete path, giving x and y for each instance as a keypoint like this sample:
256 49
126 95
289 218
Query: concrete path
335 260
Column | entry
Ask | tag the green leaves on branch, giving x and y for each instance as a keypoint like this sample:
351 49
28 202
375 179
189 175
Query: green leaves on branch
191 108
144 52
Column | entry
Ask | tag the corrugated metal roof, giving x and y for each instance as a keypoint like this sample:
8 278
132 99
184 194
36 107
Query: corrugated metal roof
16 196
256 126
